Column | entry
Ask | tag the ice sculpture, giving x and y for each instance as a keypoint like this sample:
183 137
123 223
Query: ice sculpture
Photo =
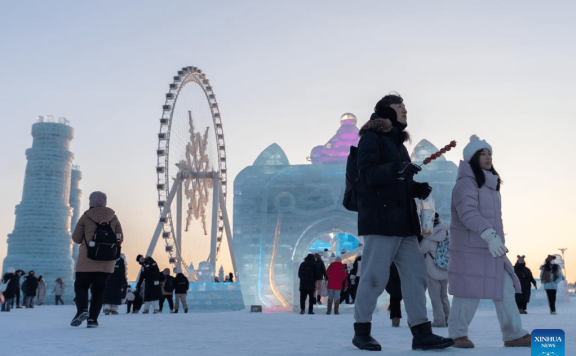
41 238
283 211
75 199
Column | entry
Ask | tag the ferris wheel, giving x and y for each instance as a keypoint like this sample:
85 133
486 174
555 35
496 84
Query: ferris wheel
191 174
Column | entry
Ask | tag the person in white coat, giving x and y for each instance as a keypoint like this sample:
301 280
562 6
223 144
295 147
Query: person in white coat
437 278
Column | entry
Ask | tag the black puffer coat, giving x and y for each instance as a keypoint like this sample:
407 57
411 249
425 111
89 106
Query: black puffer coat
181 284
12 286
116 284
308 274
150 274
526 280
385 203
30 285
321 269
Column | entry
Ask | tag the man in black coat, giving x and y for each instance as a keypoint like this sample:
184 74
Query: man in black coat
308 274
181 286
388 221
150 273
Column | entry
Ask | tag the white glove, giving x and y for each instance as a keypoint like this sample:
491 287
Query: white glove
495 244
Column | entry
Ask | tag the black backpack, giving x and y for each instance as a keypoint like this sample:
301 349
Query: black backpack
104 245
350 200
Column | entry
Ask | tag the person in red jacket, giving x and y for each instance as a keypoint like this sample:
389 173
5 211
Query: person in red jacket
337 276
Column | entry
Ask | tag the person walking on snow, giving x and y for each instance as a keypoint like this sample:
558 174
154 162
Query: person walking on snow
479 268
115 287
181 286
11 279
550 276
151 277
58 291
308 273
167 290
337 276
92 274
389 223
437 278
321 277
41 291
526 280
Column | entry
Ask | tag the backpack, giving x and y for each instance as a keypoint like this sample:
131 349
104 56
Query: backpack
350 200
104 245
441 259
169 284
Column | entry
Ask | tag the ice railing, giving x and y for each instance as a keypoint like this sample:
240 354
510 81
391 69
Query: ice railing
50 118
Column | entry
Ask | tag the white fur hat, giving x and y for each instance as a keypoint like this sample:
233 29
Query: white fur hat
474 146
11 270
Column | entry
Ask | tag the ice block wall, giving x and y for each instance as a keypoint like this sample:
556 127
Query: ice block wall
282 211
75 200
41 237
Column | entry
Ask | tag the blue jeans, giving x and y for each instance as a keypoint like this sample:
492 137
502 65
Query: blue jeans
6 305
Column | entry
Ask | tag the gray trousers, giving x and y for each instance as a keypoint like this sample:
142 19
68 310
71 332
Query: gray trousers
181 298
379 253
438 291
463 310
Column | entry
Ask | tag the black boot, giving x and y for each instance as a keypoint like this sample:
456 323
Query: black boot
423 339
362 338
319 299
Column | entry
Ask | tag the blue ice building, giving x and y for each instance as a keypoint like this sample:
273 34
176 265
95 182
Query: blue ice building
282 212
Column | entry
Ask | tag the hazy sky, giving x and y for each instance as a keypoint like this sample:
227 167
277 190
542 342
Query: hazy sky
285 72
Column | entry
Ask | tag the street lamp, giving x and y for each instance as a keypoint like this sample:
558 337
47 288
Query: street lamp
564 263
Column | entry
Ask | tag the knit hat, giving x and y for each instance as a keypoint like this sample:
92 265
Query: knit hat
97 199
550 258
138 258
521 259
384 113
474 146
11 270
338 259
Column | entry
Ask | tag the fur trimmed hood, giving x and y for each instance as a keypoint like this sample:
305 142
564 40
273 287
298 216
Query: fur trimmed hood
379 126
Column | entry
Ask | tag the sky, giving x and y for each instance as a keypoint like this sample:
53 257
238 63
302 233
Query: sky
284 72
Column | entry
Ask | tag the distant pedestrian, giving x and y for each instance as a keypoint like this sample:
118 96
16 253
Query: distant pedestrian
308 272
115 287
19 273
92 274
550 276
526 280
355 274
58 291
130 295
167 290
41 291
394 289
231 277
337 275
31 286
151 277
181 286
321 276
437 278
11 279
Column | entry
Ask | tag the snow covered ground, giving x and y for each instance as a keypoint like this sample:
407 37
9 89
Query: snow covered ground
46 330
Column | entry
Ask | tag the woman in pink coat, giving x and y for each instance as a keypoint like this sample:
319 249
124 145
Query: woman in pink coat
478 267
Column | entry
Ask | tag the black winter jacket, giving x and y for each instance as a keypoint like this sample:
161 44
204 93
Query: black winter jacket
151 274
308 274
385 203
181 284
116 284
12 286
321 269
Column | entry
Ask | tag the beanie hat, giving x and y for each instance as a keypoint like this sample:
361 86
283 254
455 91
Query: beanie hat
384 113
11 270
550 258
97 199
338 259
474 146
138 258
521 259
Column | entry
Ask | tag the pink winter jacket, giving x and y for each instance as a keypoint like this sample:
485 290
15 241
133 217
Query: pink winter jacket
472 271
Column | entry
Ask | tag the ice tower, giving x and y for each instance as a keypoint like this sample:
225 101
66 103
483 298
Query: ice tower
41 238
75 199
283 211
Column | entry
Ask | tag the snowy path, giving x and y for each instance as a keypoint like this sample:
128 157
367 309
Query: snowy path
47 330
